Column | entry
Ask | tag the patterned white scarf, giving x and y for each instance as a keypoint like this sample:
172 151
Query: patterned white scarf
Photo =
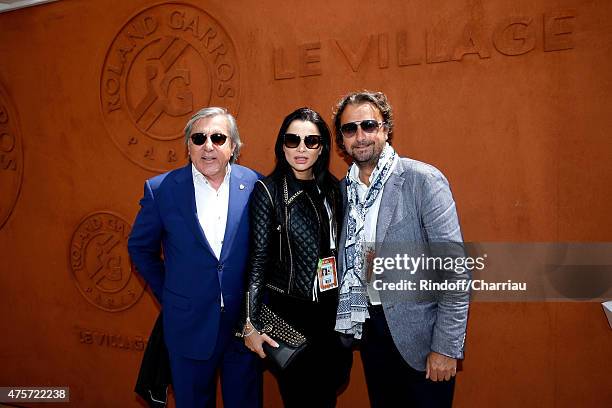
353 302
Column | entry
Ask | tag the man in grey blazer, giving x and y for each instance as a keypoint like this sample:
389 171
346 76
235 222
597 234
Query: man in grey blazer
410 340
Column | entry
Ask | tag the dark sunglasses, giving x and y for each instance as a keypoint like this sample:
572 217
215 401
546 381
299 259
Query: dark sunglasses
368 126
217 139
292 141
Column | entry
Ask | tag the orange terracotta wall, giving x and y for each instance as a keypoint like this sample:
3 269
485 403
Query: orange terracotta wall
511 100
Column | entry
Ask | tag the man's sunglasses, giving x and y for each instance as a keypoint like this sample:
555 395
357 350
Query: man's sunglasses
292 141
368 126
217 139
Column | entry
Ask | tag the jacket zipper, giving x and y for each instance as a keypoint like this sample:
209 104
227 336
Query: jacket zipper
316 212
287 200
315 297
287 218
280 241
275 288
248 309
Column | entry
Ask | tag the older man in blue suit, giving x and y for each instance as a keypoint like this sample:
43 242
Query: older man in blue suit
409 344
197 217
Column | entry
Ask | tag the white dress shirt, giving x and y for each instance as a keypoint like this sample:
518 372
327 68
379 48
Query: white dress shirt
371 220
212 206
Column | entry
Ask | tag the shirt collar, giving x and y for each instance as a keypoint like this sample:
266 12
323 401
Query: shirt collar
197 176
354 174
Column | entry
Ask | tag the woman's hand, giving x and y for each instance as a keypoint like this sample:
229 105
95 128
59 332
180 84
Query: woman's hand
254 341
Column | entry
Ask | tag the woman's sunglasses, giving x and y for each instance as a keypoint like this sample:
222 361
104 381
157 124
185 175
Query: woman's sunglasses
217 139
368 126
291 141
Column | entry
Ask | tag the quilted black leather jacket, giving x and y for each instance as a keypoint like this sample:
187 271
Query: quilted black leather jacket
285 240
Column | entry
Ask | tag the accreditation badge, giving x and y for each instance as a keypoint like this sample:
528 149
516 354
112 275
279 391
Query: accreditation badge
327 274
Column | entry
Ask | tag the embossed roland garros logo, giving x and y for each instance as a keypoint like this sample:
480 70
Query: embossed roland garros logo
101 264
11 157
165 63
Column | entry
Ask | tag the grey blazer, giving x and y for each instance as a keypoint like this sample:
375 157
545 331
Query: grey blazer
417 209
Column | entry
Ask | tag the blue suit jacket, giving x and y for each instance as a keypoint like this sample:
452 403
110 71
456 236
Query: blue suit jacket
188 280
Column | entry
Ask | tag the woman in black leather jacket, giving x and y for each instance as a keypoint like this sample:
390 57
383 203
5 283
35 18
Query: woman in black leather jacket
294 216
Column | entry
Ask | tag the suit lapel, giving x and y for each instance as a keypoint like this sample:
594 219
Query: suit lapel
238 199
392 195
185 199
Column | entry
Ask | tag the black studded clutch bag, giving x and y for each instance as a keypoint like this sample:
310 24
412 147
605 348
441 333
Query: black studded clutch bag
290 341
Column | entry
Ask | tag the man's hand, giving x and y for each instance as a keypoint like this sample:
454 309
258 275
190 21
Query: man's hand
440 367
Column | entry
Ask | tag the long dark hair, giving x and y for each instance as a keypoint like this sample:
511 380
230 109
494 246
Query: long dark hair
325 180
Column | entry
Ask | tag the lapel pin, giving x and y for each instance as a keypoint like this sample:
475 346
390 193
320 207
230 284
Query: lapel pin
242 186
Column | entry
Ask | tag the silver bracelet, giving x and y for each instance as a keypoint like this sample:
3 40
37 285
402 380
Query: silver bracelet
250 332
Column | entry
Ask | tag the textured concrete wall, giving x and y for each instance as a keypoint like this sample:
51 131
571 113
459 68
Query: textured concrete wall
511 100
